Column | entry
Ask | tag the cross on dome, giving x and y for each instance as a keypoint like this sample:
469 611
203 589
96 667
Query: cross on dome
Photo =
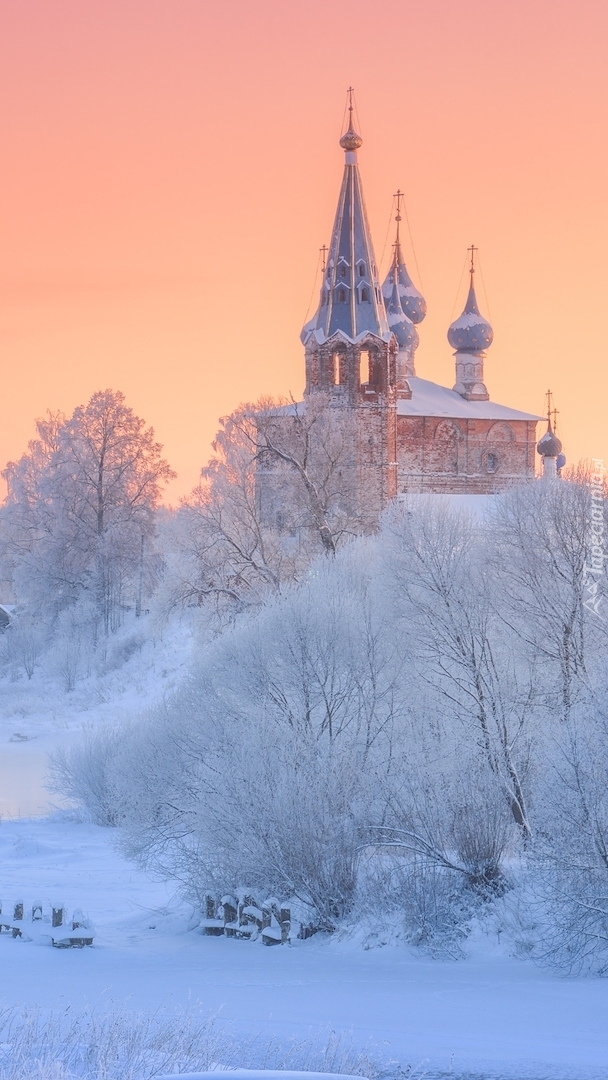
412 301
471 333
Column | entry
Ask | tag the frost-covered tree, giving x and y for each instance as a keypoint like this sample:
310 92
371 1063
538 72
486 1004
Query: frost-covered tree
78 504
446 601
539 550
265 766
568 864
276 493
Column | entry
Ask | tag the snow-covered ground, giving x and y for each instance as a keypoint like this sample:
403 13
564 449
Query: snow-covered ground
489 1015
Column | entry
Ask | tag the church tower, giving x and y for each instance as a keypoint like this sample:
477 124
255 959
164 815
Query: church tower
470 334
351 350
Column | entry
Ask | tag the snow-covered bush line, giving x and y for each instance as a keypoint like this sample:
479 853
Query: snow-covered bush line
118 1045
419 712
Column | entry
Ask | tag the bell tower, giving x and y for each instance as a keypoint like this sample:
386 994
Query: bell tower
350 349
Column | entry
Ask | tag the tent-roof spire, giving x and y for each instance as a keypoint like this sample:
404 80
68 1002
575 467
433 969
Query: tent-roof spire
351 303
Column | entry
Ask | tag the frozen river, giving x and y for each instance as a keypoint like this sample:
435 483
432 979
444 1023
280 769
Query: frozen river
23 773
488 1015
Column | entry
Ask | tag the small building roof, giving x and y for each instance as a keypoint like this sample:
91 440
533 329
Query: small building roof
430 399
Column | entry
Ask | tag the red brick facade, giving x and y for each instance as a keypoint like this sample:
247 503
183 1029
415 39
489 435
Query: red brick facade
482 448
463 455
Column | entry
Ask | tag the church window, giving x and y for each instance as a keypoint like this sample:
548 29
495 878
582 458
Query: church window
492 462
364 367
365 295
334 369
361 269
341 296
342 271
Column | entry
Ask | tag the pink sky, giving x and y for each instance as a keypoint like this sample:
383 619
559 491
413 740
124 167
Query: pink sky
171 167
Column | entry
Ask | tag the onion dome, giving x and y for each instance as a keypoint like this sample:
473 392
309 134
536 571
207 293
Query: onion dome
561 461
350 140
412 301
471 332
401 326
549 445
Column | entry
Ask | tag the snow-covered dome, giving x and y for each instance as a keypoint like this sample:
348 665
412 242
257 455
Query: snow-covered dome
412 301
549 445
471 332
401 326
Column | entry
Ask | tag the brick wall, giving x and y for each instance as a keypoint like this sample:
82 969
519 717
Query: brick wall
455 456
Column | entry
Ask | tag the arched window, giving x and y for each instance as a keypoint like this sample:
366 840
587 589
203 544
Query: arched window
334 369
361 269
364 373
364 295
342 271
491 462
341 296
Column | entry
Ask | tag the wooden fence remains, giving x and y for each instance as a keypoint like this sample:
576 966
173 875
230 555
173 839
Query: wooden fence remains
246 919
46 922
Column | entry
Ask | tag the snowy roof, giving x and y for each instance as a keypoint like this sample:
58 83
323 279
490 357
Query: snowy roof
430 399
351 302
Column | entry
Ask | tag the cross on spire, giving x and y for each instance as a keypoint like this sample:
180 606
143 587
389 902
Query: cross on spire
472 249
350 93
398 197
323 251
552 412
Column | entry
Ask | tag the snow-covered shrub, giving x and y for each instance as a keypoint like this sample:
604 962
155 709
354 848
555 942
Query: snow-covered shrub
408 899
22 644
85 772
568 864
262 768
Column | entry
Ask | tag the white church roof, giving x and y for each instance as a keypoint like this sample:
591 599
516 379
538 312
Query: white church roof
430 399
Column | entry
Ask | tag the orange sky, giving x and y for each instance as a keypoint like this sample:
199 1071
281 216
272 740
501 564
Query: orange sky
170 169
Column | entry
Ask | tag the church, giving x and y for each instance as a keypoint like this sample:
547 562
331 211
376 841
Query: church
412 435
